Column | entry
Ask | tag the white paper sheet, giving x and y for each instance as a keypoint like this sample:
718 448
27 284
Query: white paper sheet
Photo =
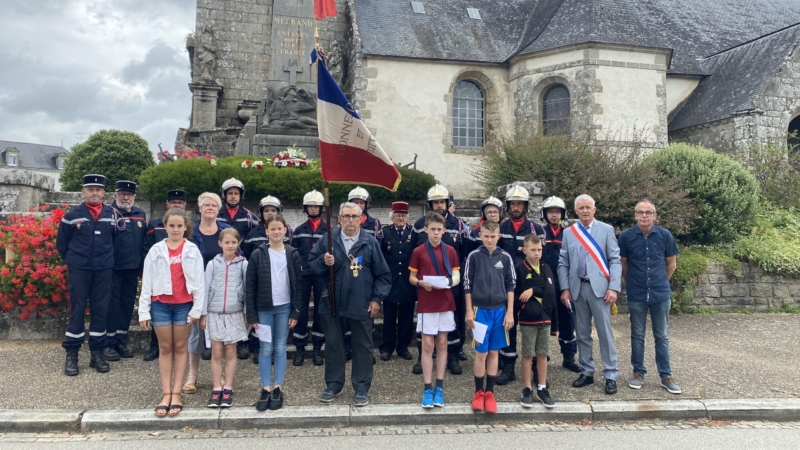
208 338
264 333
436 281
479 332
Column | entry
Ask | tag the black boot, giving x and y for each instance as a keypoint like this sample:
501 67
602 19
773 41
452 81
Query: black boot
507 375
256 357
417 369
123 351
206 355
71 365
151 354
242 350
109 354
452 364
570 364
318 359
299 357
97 362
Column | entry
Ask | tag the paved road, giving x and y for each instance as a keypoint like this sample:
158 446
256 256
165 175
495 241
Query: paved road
681 435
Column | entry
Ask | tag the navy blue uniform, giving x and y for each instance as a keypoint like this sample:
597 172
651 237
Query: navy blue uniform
565 320
243 221
128 261
258 236
512 242
372 226
87 248
398 308
305 238
455 235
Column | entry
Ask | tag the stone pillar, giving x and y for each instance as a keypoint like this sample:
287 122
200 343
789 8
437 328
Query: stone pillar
204 105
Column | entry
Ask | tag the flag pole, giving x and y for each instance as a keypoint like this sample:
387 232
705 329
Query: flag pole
331 285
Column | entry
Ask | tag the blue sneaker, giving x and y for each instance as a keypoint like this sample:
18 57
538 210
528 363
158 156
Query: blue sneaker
438 396
427 398
362 398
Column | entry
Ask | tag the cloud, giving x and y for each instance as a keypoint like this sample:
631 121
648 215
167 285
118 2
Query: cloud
158 60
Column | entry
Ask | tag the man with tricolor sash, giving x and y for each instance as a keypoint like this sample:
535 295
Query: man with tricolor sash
589 273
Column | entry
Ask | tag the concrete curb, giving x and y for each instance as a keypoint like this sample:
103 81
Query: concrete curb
324 416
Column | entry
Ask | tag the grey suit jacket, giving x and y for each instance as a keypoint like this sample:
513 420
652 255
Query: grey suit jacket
603 233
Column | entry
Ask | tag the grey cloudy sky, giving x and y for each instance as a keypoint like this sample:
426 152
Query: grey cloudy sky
71 66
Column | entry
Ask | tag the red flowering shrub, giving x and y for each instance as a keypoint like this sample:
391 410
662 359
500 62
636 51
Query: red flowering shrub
34 284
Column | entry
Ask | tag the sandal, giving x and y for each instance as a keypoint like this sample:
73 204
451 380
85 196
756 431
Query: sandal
190 387
174 409
161 410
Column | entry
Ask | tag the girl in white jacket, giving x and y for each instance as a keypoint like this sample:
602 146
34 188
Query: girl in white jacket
172 297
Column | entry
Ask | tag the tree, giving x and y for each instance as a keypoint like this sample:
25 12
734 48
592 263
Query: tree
119 155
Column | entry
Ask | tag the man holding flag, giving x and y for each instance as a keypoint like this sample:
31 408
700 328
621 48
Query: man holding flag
590 273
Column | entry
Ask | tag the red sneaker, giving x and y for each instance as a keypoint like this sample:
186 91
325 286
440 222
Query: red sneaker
490 405
477 401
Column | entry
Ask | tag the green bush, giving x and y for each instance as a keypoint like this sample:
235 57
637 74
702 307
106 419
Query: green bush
119 155
776 171
691 263
613 175
196 176
774 244
725 193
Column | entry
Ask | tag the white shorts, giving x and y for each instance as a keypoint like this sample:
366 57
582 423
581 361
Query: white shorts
431 324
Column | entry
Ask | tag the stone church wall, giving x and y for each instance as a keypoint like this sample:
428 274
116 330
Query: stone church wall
717 135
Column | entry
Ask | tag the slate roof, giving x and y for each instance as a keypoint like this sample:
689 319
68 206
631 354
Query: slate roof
33 156
691 28
729 88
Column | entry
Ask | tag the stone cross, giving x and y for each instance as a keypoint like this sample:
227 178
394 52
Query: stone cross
293 71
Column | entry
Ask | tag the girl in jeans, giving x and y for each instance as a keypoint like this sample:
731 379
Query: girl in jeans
172 297
273 299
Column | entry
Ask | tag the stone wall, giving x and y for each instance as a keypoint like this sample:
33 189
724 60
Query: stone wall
753 290
719 135
22 189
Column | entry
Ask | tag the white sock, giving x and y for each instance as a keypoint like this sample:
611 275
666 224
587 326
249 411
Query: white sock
542 386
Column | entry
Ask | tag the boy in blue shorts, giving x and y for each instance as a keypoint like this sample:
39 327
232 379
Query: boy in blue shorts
489 280
435 305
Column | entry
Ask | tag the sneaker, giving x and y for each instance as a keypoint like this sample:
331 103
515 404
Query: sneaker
489 404
263 400
478 401
637 381
668 384
215 400
362 398
427 398
276 399
527 398
329 394
438 396
544 396
227 399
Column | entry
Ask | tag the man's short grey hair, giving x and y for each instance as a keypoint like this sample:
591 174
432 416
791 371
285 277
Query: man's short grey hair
349 205
583 197
645 201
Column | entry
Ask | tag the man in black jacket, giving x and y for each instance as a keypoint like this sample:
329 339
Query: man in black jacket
362 281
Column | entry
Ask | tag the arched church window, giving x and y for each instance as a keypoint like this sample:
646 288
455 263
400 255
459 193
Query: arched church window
468 105
555 110
794 135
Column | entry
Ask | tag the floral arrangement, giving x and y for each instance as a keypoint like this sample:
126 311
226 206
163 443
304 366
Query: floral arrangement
34 283
291 157
255 164
182 152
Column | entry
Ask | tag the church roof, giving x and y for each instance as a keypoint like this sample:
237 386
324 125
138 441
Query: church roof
730 89
691 28
33 156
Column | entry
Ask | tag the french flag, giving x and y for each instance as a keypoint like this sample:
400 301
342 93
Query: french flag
348 151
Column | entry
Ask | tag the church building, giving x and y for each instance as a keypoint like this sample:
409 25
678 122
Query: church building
437 81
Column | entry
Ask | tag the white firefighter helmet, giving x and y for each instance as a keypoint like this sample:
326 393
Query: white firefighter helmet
314 198
553 202
269 201
361 194
491 201
438 192
232 183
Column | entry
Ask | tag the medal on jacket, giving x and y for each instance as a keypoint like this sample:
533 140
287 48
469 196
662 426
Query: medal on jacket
78 225
139 223
389 247
355 264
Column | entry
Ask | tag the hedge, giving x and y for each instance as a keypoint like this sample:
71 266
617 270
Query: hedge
196 176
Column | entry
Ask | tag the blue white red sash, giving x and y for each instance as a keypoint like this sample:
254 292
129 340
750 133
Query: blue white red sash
592 248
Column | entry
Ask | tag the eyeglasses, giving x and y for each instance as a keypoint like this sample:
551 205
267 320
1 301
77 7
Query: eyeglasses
350 217
176 202
492 213
209 205
124 195
645 213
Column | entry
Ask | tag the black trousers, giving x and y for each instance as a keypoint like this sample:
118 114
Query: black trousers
508 355
120 310
300 333
361 376
566 330
398 327
455 339
92 288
